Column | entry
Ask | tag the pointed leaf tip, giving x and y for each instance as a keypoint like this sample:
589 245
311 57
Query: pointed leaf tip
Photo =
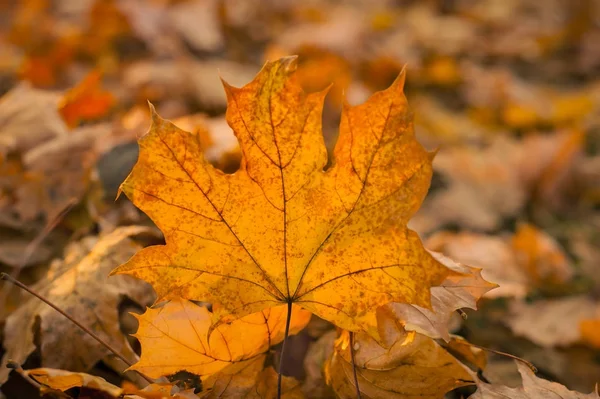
400 79
153 113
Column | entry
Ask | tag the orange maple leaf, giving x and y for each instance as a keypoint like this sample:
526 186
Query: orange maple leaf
86 101
176 337
281 230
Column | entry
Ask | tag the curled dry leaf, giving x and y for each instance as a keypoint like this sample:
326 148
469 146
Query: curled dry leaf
175 337
533 388
63 380
457 291
97 387
240 241
415 366
530 259
249 379
81 288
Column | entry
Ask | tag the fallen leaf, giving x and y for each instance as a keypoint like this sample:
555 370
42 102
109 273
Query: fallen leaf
63 380
80 287
466 351
197 22
492 253
28 117
316 356
471 200
457 291
239 241
552 322
590 332
533 388
60 172
415 366
541 257
175 337
86 102
249 379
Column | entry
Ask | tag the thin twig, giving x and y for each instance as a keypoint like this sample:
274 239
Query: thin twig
358 396
5 276
525 362
281 356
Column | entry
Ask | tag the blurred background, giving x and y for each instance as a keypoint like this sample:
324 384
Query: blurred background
507 90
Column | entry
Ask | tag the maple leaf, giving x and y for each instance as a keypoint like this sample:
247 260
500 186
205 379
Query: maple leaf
533 388
415 366
280 229
80 287
175 337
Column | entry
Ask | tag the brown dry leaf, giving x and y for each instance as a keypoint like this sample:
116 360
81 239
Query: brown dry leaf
530 259
63 380
175 337
552 322
415 366
533 388
28 117
249 379
80 287
198 23
86 102
341 30
492 253
484 187
487 185
318 352
456 292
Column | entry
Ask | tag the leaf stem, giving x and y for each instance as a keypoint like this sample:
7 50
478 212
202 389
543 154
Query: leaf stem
5 276
358 396
281 356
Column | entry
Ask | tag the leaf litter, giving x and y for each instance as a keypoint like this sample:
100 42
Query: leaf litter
506 92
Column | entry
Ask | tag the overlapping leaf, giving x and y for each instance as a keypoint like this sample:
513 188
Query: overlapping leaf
175 338
281 229
533 388
456 292
415 366
80 286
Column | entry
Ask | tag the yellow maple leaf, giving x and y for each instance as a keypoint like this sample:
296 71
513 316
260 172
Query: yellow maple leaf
282 230
175 337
